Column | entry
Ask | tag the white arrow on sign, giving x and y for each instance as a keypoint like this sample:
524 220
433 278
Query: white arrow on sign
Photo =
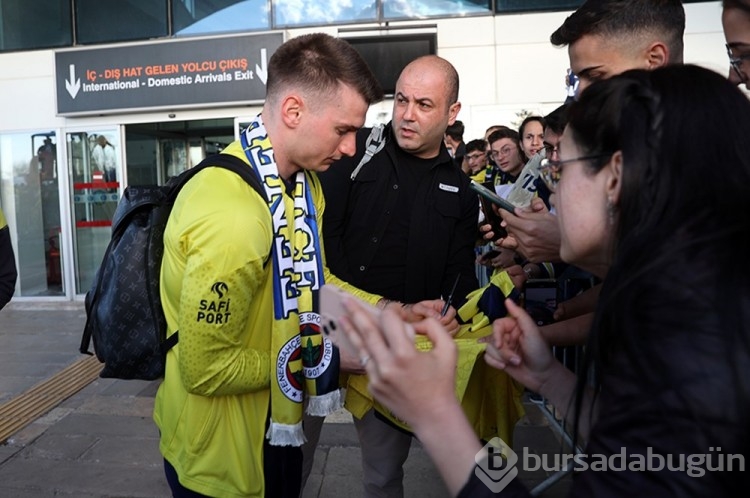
74 84
262 70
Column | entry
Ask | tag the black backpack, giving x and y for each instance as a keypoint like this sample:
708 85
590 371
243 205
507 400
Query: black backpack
124 316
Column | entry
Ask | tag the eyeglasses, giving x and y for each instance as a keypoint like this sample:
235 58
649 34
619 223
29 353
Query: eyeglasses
474 157
549 149
502 152
551 170
736 62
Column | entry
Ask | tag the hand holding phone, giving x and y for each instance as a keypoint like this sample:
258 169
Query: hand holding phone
332 309
489 255
493 219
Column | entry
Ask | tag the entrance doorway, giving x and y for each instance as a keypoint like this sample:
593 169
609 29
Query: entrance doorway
158 151
153 153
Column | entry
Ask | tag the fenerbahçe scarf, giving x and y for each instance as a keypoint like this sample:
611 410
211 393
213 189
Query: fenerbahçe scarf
304 362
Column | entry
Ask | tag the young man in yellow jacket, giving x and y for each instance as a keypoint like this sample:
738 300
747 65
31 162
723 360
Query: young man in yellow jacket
240 277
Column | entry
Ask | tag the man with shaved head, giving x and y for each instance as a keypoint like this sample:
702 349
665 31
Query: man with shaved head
403 227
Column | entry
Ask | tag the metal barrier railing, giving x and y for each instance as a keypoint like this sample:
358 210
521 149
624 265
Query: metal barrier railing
568 356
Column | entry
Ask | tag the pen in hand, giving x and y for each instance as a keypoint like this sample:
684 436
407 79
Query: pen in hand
450 296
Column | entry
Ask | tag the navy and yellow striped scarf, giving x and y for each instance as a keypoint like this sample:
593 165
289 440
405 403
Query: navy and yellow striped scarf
305 362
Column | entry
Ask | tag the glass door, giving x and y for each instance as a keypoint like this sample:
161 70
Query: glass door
95 169
30 201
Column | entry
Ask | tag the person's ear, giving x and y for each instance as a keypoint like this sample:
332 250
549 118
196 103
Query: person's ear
614 180
453 112
657 55
291 110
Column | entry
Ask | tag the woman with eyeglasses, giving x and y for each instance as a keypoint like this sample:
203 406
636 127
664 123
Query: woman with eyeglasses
736 21
665 378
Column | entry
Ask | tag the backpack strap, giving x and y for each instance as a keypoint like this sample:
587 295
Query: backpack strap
226 161
375 142
240 168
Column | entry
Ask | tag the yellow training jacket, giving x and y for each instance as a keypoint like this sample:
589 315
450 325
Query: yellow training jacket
212 406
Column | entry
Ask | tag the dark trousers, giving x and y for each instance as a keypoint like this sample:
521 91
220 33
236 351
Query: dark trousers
282 467
178 490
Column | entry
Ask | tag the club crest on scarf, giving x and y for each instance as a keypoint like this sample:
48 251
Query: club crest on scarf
317 349
289 373
307 356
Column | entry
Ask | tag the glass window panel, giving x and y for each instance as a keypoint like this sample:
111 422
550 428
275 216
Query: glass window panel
192 17
29 197
428 8
100 21
532 5
388 55
28 25
321 12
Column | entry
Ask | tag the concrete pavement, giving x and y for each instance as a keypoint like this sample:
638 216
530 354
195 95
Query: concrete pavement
102 442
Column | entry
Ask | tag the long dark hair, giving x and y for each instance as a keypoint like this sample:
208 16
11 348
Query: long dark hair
679 278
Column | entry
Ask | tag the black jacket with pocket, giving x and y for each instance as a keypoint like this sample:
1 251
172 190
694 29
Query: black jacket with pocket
442 224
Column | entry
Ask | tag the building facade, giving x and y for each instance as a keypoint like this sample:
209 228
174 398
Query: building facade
98 96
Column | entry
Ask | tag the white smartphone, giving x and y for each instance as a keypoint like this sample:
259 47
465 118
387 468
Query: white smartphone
331 311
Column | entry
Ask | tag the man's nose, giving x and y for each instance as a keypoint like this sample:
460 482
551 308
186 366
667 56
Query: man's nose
348 144
409 112
734 77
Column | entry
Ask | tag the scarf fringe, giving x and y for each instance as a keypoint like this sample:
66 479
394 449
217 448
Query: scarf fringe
320 406
285 434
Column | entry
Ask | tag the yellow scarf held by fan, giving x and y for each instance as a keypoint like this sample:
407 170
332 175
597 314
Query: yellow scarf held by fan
490 398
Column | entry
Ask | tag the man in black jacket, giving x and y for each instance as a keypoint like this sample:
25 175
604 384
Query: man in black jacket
404 227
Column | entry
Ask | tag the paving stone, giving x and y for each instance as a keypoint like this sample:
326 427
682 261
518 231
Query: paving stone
338 435
130 388
321 455
105 425
7 452
344 462
32 492
83 477
59 446
338 486
312 488
134 406
130 451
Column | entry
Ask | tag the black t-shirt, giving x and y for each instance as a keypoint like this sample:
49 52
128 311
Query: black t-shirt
388 267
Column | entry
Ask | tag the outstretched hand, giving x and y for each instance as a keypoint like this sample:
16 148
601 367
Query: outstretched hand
532 231
517 346
430 308
386 349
